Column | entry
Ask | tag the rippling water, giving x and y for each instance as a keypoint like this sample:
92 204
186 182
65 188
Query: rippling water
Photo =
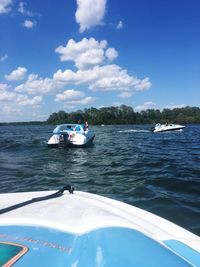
159 172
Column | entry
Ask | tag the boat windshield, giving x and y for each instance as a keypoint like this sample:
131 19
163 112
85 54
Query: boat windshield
63 128
68 128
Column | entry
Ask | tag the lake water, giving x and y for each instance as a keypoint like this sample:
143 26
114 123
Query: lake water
159 172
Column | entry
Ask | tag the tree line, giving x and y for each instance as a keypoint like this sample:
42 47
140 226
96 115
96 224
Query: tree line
126 115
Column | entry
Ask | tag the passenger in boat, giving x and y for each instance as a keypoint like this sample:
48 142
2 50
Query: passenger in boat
69 128
86 126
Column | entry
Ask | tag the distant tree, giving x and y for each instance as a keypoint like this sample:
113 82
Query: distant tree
126 115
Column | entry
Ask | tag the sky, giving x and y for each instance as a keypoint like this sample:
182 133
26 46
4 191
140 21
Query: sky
75 54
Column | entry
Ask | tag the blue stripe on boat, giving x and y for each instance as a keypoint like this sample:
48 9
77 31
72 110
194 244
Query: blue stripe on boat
184 250
108 247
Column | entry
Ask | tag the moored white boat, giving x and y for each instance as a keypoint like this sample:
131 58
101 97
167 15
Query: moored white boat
65 135
84 229
167 127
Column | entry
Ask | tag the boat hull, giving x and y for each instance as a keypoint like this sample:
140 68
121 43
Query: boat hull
75 141
167 128
83 229
69 135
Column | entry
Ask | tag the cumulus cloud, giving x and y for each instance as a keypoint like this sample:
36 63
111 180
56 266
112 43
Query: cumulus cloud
7 96
3 58
24 100
125 94
93 60
3 86
103 78
86 53
84 101
20 105
9 109
90 13
119 25
5 6
70 95
14 98
12 102
72 98
35 85
145 106
29 24
23 10
172 106
144 84
111 54
16 75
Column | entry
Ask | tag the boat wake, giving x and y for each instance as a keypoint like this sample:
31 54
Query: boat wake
134 131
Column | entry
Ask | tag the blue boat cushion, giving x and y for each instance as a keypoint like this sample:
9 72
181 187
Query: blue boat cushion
108 247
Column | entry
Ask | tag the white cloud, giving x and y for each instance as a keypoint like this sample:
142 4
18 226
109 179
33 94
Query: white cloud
4 57
14 98
7 96
111 54
16 75
112 77
145 106
3 86
29 24
125 94
119 25
84 101
35 85
72 98
23 100
5 6
90 13
9 109
86 53
90 57
15 106
143 85
22 9
70 95
172 106
103 78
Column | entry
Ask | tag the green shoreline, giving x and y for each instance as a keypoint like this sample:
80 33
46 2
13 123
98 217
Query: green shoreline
119 115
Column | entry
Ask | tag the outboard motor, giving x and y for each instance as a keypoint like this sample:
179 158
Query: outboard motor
63 140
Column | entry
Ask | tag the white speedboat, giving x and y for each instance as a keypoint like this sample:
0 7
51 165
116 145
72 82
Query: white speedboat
167 127
59 229
71 135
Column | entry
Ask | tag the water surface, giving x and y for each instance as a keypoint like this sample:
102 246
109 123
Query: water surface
159 172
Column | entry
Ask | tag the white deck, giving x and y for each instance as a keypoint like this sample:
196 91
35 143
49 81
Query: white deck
82 212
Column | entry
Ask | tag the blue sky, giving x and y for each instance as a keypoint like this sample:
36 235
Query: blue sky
75 54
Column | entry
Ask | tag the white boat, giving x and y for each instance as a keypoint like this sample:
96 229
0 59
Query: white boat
59 229
71 135
167 127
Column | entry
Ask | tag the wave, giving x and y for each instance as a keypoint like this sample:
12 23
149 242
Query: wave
134 131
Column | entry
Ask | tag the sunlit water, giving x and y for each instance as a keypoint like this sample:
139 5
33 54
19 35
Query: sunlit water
159 172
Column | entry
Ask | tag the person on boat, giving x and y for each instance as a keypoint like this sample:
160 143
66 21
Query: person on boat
86 126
